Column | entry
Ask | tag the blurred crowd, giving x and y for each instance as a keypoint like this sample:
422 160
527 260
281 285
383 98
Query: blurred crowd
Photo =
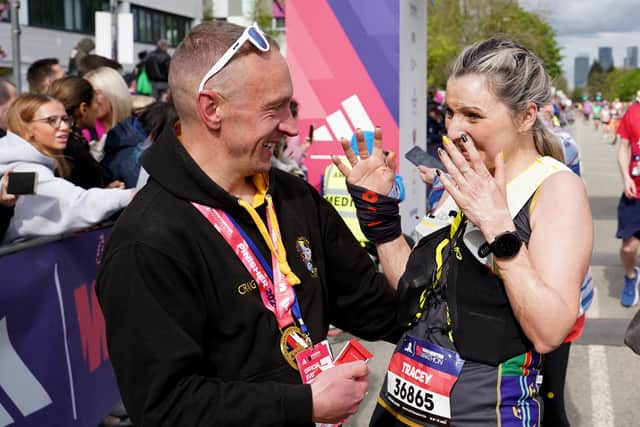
75 141
83 131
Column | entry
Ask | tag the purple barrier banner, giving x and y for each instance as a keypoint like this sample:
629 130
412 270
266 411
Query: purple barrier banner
54 364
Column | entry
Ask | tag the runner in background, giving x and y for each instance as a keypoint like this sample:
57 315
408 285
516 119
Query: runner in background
629 205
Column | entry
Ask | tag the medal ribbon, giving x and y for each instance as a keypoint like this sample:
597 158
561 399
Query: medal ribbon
280 298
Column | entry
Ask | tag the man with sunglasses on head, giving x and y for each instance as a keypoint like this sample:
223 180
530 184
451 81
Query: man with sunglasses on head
224 268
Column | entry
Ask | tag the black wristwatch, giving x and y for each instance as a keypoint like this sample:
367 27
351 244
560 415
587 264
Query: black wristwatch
506 245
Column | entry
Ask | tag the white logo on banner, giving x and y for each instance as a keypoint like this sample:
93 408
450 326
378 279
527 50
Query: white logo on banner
339 125
18 381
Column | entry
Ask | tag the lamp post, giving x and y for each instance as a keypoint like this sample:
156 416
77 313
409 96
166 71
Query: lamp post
15 44
114 5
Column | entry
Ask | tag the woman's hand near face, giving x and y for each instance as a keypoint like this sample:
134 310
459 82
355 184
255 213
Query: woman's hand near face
374 171
481 196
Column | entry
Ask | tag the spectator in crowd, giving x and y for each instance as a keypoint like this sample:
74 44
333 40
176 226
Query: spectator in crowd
128 140
629 205
42 72
294 148
190 340
92 62
7 203
140 65
157 66
141 84
500 285
79 100
114 105
281 158
130 81
81 49
38 130
7 95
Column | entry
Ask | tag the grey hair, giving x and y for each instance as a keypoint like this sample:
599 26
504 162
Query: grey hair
517 78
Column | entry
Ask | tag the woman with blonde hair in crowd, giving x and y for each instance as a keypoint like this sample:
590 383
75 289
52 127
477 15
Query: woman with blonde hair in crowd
38 129
114 105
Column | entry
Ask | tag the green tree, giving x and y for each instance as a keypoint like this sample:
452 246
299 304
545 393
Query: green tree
621 84
560 83
444 32
207 11
577 94
260 12
451 25
595 79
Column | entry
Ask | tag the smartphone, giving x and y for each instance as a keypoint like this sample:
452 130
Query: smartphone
418 157
22 183
311 133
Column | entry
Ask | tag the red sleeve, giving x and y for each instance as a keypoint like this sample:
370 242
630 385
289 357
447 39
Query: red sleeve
626 128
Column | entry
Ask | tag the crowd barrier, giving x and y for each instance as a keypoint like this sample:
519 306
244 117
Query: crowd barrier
54 365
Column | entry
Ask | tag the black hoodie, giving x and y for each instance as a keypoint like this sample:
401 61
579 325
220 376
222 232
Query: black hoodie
190 340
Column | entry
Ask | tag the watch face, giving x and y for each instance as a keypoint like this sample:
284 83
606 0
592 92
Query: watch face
506 245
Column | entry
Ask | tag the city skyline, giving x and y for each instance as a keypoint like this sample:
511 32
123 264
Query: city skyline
581 29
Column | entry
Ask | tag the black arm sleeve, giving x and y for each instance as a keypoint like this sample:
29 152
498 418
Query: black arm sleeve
156 320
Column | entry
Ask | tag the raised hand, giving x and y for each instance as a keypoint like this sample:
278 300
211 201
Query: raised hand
481 196
375 171
338 391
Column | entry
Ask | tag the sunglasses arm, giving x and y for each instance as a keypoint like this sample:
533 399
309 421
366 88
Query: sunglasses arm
224 59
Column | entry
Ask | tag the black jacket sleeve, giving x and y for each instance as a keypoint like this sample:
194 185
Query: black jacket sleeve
158 353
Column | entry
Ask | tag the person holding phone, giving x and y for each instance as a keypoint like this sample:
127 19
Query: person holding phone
38 130
483 297
7 204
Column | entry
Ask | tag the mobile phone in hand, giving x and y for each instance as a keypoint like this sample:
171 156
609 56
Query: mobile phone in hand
310 137
22 183
418 157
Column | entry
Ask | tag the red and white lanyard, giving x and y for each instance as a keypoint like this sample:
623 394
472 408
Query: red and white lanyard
277 295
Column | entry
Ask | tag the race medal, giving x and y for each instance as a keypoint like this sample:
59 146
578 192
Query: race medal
419 380
292 342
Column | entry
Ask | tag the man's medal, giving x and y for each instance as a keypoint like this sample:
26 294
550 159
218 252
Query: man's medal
292 342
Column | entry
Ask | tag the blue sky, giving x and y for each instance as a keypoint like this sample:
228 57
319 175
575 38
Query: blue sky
583 25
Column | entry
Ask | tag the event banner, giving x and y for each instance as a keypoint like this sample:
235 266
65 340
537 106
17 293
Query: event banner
54 365
360 64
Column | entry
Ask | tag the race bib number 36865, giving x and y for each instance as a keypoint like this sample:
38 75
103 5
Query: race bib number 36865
420 378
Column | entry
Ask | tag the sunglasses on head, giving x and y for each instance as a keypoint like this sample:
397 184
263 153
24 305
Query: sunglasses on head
253 34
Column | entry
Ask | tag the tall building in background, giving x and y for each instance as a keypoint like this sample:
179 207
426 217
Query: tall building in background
631 60
581 70
605 57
